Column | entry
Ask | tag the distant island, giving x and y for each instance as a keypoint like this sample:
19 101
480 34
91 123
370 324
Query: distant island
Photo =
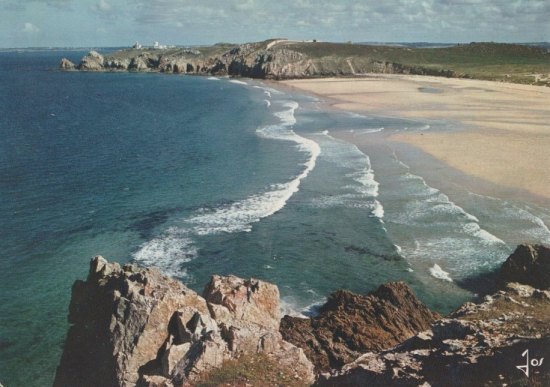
289 59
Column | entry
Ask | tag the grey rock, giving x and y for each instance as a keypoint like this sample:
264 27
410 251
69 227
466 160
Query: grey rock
131 325
92 62
66 64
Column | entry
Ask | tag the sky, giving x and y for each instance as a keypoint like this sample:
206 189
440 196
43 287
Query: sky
104 23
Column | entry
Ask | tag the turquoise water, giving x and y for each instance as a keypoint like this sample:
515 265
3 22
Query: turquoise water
204 175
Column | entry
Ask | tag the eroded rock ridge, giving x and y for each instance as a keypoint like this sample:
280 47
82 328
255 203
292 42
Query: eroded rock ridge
134 326
272 59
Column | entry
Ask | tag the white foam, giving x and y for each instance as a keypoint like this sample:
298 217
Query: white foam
437 202
519 217
238 82
213 78
267 102
287 116
240 216
288 308
268 93
269 89
378 210
168 251
437 272
176 247
366 131
349 156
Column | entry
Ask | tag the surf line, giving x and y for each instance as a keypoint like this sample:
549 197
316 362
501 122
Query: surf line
176 246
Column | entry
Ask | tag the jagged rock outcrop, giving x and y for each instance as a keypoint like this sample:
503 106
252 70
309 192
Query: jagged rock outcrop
131 326
94 61
349 325
66 64
529 264
480 344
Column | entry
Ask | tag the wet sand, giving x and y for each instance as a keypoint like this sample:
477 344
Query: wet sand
501 131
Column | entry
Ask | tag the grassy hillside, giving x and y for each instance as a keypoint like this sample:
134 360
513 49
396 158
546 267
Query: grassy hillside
491 61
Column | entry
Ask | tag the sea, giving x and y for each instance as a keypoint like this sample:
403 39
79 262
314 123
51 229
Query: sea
211 175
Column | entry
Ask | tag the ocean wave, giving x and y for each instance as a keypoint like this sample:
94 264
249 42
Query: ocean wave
358 170
290 307
366 131
378 210
213 78
517 217
437 272
238 82
269 89
240 215
176 245
168 251
267 102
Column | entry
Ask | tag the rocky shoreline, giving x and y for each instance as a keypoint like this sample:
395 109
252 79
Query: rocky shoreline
135 326
272 59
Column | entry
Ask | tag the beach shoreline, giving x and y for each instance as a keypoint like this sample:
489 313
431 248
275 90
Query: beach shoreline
497 140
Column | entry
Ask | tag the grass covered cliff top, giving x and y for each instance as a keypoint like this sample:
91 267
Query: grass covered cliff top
516 63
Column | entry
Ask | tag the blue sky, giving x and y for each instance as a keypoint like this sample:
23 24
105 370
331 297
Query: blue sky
74 23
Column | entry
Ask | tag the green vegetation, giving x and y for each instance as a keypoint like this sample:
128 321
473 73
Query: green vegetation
251 370
490 61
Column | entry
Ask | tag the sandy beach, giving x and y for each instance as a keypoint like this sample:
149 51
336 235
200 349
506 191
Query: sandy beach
502 133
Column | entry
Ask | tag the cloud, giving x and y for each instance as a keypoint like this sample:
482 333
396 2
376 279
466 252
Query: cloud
21 5
102 7
209 21
30 28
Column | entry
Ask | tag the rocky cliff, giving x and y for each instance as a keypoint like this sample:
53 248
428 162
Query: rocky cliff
480 344
134 326
349 325
272 59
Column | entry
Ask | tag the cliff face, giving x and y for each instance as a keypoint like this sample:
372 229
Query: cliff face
479 344
135 326
349 325
265 60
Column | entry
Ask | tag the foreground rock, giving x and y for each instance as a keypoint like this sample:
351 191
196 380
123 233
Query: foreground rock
478 345
349 325
135 326
530 265
475 346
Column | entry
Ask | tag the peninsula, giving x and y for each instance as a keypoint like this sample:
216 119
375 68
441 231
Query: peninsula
287 59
